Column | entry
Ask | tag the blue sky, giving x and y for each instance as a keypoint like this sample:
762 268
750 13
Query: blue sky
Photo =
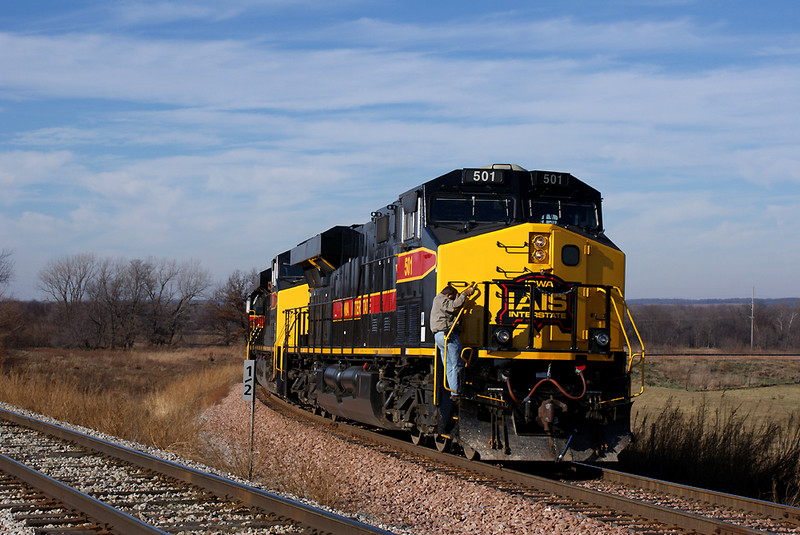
190 130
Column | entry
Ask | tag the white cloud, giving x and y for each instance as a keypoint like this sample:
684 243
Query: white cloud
516 34
770 166
114 134
161 12
242 75
232 149
18 168
704 243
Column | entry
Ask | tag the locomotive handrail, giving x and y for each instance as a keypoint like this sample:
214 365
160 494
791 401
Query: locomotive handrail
507 272
627 341
570 293
467 361
302 327
277 359
507 247
475 293
635 329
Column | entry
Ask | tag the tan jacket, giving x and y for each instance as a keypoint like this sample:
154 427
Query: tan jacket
444 311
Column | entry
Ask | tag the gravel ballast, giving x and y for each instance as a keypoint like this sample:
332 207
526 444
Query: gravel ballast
398 495
379 487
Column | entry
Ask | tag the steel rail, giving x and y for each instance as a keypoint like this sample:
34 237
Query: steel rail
107 516
304 514
773 510
635 508
676 354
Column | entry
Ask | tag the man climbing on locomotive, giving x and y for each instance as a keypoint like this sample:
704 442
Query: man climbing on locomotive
444 313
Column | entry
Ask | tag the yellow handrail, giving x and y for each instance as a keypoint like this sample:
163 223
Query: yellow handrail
631 353
446 338
276 362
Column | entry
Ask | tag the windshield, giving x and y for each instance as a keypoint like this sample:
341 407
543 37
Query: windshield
260 304
472 208
560 212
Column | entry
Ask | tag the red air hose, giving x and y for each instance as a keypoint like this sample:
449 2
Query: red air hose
546 379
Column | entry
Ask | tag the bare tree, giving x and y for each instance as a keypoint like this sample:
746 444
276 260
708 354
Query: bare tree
115 302
226 309
783 320
116 296
171 288
720 326
9 313
66 280
6 270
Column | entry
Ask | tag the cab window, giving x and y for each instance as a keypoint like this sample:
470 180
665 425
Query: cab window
260 304
472 208
561 212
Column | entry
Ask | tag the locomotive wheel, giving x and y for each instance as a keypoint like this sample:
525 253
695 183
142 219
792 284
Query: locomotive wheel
417 437
443 443
470 453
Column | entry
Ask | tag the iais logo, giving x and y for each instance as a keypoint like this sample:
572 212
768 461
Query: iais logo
550 296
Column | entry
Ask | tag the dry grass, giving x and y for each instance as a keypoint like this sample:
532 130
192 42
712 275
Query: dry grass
706 424
277 469
778 403
737 439
726 450
717 372
152 397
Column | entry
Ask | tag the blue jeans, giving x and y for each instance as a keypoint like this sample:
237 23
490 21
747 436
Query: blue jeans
454 364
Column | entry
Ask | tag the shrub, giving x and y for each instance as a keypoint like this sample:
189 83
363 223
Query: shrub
743 454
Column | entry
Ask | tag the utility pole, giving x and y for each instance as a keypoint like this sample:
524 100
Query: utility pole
752 317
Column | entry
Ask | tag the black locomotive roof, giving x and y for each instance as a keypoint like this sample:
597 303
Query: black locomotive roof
504 182
515 180
335 246
512 178
332 248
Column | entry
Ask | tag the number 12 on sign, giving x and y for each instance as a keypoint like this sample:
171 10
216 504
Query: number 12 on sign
249 381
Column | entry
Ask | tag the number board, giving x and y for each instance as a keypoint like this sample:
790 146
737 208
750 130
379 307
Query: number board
550 178
482 176
249 381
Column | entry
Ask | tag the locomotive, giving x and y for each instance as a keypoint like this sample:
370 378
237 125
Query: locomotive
340 323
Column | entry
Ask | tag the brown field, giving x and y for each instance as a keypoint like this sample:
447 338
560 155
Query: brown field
776 402
706 417
761 386
729 423
125 370
149 396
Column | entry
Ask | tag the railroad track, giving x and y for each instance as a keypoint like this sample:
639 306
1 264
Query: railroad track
122 490
644 504
678 354
750 510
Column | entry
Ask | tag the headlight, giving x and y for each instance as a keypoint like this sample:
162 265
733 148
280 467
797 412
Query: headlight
602 339
502 335
538 248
